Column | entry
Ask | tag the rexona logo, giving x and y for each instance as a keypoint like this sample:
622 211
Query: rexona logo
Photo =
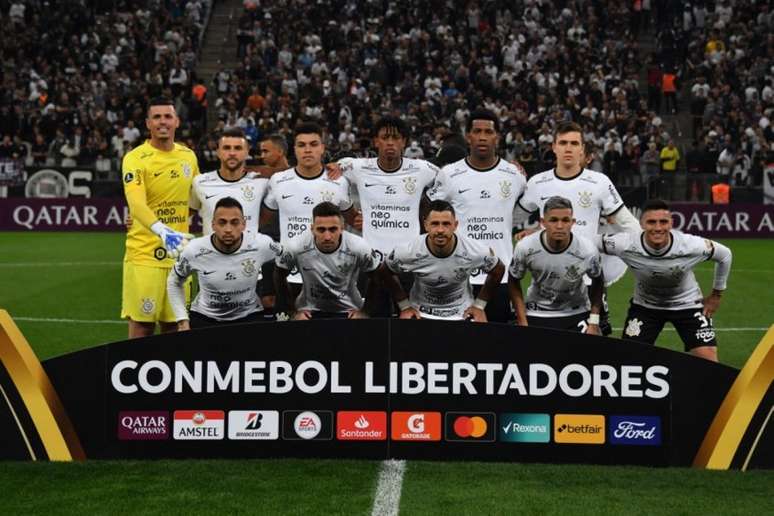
206 425
525 428
470 426
361 426
416 426
636 430
143 426
307 425
253 425
579 428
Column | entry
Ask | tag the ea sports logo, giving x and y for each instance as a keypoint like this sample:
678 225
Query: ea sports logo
307 425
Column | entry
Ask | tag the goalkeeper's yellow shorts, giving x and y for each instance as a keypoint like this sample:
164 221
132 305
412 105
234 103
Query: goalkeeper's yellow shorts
144 294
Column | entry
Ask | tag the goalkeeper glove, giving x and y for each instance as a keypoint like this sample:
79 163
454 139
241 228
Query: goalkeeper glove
173 241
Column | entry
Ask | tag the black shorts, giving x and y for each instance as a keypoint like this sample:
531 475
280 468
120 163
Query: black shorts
645 324
198 320
577 322
266 286
498 309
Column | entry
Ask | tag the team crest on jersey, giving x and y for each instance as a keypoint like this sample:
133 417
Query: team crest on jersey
148 305
634 327
327 196
410 185
248 266
186 170
584 199
572 273
505 189
460 274
248 192
343 268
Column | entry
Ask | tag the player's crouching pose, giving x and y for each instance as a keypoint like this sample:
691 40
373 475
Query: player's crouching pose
329 260
442 262
662 261
227 264
557 258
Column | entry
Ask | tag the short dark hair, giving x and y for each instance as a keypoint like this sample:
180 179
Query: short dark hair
279 141
228 202
655 204
439 205
557 202
568 127
232 132
482 114
159 101
326 209
308 128
391 123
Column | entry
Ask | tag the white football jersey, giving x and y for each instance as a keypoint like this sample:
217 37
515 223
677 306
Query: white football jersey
592 195
557 288
330 279
665 281
442 288
209 188
484 201
226 281
389 200
295 196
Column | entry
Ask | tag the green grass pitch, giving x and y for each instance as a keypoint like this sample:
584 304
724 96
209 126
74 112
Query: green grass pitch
64 289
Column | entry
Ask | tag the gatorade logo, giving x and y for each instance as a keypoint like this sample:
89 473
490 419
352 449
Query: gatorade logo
416 426
470 426
579 429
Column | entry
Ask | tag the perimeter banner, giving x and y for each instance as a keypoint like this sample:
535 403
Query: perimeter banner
725 220
68 214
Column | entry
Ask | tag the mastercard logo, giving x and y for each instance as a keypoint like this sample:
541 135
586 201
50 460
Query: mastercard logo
470 426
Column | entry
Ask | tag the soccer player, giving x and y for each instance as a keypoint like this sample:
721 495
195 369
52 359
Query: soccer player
591 193
330 261
483 189
227 264
390 189
662 261
157 178
273 150
296 191
230 180
442 263
557 260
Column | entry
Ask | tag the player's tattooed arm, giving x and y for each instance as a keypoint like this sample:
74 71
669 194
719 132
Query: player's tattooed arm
595 294
475 312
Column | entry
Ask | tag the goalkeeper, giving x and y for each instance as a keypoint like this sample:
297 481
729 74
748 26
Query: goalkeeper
157 177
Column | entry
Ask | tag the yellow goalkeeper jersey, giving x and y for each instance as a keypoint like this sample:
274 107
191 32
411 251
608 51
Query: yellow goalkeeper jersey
157 185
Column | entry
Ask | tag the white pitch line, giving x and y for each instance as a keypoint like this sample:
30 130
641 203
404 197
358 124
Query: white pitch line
56 264
69 321
388 487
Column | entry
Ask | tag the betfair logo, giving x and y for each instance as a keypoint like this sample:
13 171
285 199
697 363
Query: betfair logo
579 429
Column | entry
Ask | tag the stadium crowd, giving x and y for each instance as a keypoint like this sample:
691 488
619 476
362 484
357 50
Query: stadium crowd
76 78
77 75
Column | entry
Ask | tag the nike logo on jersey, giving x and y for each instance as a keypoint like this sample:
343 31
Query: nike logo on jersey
544 198
210 196
207 272
287 196
463 191
157 174
370 185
